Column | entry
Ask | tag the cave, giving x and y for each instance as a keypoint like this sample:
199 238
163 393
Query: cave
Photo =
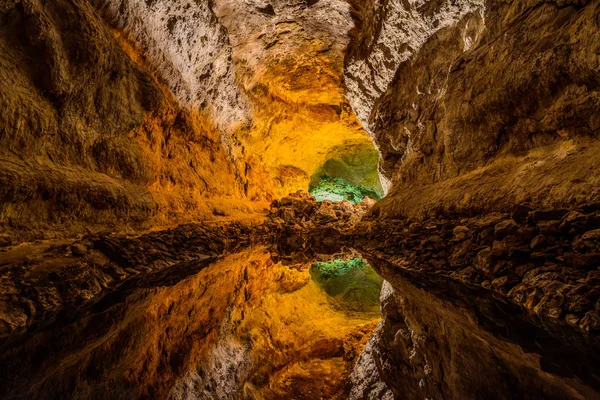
308 199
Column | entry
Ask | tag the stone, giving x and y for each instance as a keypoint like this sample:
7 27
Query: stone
521 213
460 233
78 249
549 215
368 202
538 242
505 228
549 227
589 241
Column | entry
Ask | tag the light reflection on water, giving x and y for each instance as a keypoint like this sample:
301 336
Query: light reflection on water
242 326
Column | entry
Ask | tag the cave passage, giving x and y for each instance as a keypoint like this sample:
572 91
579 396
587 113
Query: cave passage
299 199
350 174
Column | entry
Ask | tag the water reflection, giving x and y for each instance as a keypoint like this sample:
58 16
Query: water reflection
242 326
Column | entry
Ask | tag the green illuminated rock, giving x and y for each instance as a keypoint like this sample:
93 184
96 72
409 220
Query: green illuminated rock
349 174
353 285
338 189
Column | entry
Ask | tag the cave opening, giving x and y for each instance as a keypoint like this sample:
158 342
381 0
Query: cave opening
349 173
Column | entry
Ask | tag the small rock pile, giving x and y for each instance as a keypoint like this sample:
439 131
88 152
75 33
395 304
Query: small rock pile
303 227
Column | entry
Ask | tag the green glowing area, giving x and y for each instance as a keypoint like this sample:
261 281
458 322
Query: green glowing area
352 285
337 189
350 173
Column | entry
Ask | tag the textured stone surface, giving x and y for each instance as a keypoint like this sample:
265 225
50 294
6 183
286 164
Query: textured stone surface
90 138
40 280
304 228
189 51
393 32
492 109
138 113
132 114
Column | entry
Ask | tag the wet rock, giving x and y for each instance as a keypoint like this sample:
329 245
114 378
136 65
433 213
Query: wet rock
312 227
326 215
549 215
538 242
549 227
505 228
78 249
545 270
460 233
589 241
521 213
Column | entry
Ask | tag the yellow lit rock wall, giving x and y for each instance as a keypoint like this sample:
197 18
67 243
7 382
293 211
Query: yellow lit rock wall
128 115
289 59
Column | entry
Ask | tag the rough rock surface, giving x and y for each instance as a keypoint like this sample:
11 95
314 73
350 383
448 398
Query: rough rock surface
289 58
491 106
130 114
304 228
90 137
486 117
188 49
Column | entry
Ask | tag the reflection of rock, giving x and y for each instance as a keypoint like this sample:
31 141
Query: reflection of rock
34 290
303 226
160 316
352 284
367 378
498 296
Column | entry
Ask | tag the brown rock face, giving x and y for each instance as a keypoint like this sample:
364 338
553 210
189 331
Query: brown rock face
304 228
135 114
89 136
497 105
477 107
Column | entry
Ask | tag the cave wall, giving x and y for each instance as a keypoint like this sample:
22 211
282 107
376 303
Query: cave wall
91 136
478 104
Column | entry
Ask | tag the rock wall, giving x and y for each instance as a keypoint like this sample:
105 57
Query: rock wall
131 114
188 49
289 58
493 97
90 137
